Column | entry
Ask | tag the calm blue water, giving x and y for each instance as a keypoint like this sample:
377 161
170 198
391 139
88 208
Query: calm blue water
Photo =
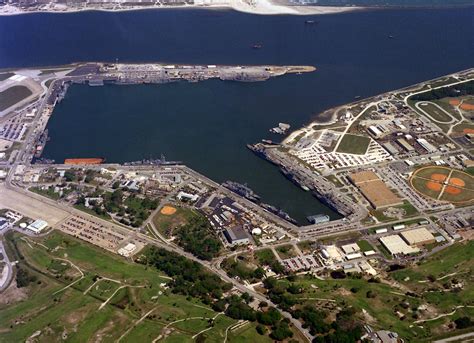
208 124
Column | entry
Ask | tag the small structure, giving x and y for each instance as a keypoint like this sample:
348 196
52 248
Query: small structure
236 235
127 250
183 196
350 248
318 219
398 227
382 336
353 256
37 226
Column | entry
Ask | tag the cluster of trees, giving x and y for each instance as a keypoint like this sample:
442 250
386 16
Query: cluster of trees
344 329
463 322
236 268
133 211
197 238
24 278
462 89
282 294
191 279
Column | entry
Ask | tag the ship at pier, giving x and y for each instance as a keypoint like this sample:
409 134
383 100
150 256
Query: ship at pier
242 190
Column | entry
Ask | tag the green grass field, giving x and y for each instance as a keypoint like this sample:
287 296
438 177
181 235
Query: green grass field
13 95
286 251
76 316
166 223
364 245
353 144
435 112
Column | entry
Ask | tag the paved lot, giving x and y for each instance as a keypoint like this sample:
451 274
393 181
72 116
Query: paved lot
30 207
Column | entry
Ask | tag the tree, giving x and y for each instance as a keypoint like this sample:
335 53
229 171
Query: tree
281 331
371 294
262 330
463 322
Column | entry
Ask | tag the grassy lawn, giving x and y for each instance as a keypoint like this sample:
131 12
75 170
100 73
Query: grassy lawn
265 256
407 207
435 112
13 95
353 144
364 245
49 192
78 315
166 223
286 251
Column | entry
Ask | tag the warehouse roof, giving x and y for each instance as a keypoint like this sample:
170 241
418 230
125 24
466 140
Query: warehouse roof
396 245
418 236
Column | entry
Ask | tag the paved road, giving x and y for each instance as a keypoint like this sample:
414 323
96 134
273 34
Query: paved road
5 278
459 338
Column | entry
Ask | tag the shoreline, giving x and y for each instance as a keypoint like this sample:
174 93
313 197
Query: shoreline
262 7
331 118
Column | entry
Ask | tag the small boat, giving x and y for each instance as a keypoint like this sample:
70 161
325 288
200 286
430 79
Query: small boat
257 46
391 37
310 22
357 97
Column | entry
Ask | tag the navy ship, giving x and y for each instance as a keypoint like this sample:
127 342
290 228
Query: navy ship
242 190
279 212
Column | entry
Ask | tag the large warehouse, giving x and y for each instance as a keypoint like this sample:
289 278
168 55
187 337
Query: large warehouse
396 245
418 237
374 189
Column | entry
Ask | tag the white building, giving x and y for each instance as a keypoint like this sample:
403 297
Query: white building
37 226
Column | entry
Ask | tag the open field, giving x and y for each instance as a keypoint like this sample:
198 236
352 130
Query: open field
364 245
434 112
78 313
407 208
286 251
353 144
464 128
13 95
444 184
170 218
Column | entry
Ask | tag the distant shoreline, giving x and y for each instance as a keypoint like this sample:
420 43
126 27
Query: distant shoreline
263 7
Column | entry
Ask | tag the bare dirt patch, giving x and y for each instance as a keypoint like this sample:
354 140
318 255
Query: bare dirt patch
13 294
434 186
168 210
467 107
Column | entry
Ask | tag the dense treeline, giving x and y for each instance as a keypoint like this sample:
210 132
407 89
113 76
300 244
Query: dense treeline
462 89
189 277
197 238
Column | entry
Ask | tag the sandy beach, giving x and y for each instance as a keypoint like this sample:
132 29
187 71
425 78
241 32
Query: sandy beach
260 7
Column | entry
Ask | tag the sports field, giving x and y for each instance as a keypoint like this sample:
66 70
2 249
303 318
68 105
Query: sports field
171 217
435 112
353 144
444 184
